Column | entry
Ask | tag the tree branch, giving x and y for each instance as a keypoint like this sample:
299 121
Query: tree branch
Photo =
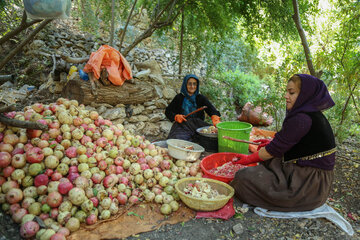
126 24
24 42
152 28
23 25
22 124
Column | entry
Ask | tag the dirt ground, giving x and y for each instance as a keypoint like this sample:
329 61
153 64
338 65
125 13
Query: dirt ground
344 198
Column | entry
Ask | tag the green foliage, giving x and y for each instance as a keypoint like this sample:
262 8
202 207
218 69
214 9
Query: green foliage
232 90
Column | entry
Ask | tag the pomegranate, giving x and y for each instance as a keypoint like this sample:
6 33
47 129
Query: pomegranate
14 195
18 161
41 179
34 155
29 229
54 199
12 139
5 159
91 219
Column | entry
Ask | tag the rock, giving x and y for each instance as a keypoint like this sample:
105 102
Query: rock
165 126
146 104
143 74
114 113
238 228
156 117
137 109
138 118
169 93
150 109
161 103
151 129
101 109
140 126
158 91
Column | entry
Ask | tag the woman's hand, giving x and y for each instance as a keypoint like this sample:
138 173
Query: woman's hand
215 119
263 143
180 118
247 159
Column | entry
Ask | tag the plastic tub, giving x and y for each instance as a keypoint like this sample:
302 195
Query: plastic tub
177 149
216 160
209 143
204 204
236 129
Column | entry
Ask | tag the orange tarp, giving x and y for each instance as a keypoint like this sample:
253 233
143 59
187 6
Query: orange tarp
117 66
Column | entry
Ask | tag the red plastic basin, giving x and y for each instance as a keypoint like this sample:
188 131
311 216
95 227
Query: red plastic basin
215 160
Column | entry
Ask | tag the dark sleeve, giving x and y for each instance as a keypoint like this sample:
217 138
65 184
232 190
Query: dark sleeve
174 107
210 110
290 134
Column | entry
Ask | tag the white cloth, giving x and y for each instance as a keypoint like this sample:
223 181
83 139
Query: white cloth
324 211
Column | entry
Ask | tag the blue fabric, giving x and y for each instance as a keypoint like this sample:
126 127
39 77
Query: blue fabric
189 103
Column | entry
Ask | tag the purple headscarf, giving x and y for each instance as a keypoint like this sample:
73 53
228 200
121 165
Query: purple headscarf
314 96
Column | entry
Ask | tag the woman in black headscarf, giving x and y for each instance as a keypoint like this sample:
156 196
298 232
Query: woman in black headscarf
296 168
188 100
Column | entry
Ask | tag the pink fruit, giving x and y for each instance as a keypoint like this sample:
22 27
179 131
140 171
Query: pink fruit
64 231
6 147
91 219
95 201
11 139
19 214
5 159
54 199
34 155
71 152
14 195
33 133
58 236
17 151
122 198
41 179
56 176
54 213
29 229
8 171
72 176
18 161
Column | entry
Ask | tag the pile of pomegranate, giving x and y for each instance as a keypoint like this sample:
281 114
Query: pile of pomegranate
81 170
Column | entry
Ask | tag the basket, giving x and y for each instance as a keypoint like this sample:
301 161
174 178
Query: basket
201 204
177 150
236 129
215 160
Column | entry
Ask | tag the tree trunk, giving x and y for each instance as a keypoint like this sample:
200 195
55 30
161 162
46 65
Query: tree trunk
181 40
112 23
126 25
128 93
297 21
23 25
24 42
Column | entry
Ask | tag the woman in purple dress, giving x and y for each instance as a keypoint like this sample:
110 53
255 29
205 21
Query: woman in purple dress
296 168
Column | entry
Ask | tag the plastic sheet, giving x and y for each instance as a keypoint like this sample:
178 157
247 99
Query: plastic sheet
132 220
47 9
325 211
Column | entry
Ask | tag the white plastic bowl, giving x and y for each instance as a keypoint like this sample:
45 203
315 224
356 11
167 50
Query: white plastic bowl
177 149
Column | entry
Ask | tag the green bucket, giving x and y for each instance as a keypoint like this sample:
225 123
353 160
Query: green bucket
236 129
